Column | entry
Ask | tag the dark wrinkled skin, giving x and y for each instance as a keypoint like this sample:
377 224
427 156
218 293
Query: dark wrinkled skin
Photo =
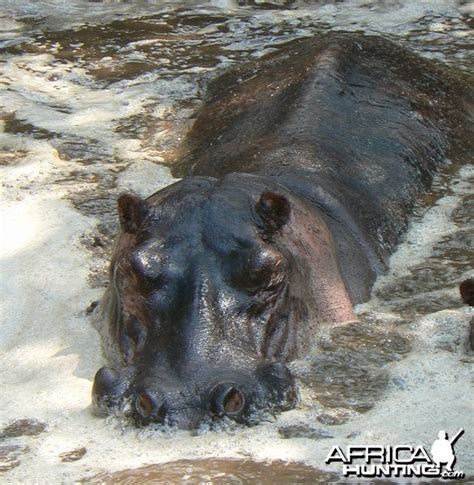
301 171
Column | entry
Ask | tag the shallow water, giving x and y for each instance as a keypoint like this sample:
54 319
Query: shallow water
96 97
232 472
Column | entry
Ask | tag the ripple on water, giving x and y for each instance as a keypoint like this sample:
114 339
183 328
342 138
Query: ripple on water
349 368
430 282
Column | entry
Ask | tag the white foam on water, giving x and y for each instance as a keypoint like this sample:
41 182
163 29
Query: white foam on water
49 350
73 106
68 105
424 233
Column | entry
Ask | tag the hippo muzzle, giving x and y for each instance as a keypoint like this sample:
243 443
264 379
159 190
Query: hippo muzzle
188 405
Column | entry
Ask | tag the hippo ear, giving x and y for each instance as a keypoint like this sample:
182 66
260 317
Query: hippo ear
274 209
132 210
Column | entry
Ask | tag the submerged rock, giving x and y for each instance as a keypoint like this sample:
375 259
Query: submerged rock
304 431
23 427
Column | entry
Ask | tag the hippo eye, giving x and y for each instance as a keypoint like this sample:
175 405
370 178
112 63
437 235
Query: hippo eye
147 267
257 274
259 270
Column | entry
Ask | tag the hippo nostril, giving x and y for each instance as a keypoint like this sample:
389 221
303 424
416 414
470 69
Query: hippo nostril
144 405
233 401
227 400
148 407
105 380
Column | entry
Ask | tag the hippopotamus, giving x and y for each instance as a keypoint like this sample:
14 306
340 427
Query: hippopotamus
299 175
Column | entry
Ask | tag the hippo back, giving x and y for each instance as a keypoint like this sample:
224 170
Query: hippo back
356 124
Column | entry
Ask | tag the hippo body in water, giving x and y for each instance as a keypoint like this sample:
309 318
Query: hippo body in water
301 171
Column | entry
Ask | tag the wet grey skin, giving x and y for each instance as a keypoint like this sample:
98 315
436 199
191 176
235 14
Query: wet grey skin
300 174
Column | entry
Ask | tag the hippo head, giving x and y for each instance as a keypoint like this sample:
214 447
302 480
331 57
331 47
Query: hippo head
214 286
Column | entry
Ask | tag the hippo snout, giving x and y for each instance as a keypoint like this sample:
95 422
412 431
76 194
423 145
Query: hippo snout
183 407
110 386
186 404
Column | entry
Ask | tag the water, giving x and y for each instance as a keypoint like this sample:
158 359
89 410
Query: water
229 472
96 97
